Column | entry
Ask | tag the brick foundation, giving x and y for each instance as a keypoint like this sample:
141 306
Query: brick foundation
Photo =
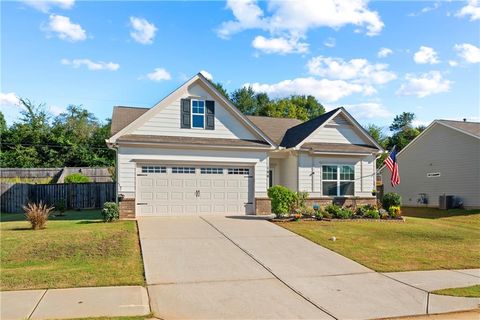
263 206
127 208
341 201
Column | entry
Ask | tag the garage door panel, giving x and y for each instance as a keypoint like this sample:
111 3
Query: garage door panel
165 193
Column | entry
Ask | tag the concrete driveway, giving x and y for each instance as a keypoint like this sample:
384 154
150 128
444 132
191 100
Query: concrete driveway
245 268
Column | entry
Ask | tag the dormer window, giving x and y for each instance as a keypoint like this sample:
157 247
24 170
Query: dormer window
198 114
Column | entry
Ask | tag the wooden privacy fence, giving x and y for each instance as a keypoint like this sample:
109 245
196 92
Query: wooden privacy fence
76 196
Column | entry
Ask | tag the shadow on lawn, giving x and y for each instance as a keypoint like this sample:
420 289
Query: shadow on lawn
434 213
67 216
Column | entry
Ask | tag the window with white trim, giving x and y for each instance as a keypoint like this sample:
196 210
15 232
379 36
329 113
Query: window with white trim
198 114
183 170
244 171
338 180
211 170
153 169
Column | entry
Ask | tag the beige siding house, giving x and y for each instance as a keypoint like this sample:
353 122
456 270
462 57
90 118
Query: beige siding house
194 153
443 160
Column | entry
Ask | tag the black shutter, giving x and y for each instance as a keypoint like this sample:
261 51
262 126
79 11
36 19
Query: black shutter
185 114
210 115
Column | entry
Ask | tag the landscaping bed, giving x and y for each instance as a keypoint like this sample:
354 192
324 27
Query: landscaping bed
432 239
75 250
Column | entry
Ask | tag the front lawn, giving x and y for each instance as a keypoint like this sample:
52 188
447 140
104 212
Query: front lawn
77 250
473 292
431 239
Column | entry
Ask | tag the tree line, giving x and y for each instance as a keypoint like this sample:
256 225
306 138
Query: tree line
76 138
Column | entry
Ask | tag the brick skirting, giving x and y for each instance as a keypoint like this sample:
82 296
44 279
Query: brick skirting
263 206
341 201
127 208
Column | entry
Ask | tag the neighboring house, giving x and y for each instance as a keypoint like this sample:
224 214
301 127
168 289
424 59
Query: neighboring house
443 160
195 153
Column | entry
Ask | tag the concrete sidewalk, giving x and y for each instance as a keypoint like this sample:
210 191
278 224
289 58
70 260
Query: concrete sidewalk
74 303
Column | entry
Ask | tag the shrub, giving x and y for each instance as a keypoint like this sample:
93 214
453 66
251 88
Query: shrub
309 212
319 214
362 210
60 206
344 213
326 215
372 214
37 214
76 178
110 212
384 216
332 209
391 199
282 199
395 211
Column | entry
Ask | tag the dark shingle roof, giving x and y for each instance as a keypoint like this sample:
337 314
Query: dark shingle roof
123 116
274 128
339 147
470 127
297 134
191 140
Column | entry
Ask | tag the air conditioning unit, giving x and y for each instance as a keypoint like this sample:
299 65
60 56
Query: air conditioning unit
445 202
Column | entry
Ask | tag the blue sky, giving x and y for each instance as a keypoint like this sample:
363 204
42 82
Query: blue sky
377 59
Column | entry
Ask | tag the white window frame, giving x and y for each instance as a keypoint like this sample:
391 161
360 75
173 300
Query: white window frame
338 180
198 114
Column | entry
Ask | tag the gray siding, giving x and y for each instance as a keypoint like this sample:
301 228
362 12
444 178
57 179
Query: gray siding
440 149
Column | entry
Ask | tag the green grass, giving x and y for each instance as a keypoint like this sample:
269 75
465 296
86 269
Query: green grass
429 239
77 250
473 292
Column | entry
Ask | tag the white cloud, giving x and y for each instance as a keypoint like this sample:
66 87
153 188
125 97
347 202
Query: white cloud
279 45
143 31
468 52
159 74
418 123
45 5
56 110
330 42
207 75
472 9
452 63
426 55
359 70
293 19
323 89
435 6
384 52
9 100
91 65
368 110
425 84
65 29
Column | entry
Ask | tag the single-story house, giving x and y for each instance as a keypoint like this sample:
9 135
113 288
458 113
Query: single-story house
195 153
443 160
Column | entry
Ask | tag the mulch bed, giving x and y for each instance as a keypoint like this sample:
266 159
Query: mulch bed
396 220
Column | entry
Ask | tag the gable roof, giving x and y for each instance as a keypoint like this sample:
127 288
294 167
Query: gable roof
468 128
123 116
177 93
297 134
275 128
472 128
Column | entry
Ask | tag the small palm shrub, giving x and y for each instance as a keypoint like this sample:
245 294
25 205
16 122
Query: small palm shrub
76 178
309 212
110 212
395 211
37 214
282 199
319 214
391 199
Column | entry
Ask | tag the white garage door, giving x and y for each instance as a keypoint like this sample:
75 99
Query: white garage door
193 190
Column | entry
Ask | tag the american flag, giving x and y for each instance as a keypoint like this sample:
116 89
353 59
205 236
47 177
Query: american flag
392 165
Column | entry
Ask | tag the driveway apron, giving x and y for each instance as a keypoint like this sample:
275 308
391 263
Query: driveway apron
242 268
